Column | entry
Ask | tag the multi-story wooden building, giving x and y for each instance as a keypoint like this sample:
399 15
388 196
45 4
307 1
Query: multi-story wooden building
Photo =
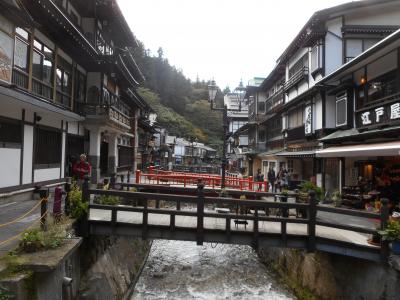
299 111
67 86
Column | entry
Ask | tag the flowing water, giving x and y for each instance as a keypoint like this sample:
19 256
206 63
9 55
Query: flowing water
183 270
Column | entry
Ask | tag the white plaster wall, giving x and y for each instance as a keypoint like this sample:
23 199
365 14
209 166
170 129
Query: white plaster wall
10 161
317 118
28 115
44 39
46 174
95 141
28 152
292 94
50 120
333 45
73 127
302 87
330 113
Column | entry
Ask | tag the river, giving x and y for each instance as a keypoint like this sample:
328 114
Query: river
183 270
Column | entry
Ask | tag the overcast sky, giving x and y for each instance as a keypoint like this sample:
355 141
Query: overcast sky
224 39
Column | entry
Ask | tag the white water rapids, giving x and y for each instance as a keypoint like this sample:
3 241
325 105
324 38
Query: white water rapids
183 270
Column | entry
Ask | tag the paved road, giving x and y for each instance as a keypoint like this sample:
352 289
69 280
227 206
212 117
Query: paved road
13 210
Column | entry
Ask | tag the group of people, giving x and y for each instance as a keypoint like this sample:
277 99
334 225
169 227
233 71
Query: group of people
276 181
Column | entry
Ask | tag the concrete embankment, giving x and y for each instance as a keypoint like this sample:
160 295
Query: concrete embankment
92 268
328 276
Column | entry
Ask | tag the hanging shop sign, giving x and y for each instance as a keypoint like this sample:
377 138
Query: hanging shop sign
380 115
308 120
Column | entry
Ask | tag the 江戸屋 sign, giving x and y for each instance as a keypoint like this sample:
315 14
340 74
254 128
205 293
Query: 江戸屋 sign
379 115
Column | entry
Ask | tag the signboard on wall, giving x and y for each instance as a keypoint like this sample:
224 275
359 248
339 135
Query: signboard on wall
379 115
308 120
6 52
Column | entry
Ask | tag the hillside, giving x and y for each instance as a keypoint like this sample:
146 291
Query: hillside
181 105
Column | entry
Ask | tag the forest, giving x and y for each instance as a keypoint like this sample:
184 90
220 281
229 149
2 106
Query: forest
181 105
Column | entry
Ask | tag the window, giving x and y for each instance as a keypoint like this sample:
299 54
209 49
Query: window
355 47
10 133
42 69
300 64
296 118
341 109
63 81
290 166
261 136
382 86
80 86
261 107
101 44
21 58
316 58
47 148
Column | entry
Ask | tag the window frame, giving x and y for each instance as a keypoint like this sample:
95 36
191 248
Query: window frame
341 97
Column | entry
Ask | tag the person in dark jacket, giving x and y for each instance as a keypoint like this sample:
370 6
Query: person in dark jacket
271 179
259 178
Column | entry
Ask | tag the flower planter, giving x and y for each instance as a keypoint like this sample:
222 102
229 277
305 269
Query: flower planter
396 247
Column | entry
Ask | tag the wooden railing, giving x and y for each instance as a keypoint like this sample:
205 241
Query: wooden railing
20 78
235 210
42 89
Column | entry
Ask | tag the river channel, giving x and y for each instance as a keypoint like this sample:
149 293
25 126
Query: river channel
183 270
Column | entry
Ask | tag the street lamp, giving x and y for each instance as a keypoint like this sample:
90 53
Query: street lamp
212 93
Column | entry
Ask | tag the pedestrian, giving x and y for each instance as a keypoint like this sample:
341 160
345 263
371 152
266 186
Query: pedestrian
259 178
271 179
279 179
81 169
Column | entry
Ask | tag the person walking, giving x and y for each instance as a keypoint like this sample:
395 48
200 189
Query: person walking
271 179
259 178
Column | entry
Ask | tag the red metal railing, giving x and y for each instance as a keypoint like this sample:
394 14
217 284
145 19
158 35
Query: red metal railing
192 179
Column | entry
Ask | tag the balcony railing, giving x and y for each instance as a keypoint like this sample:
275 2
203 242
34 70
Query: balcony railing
296 78
42 89
20 78
108 113
275 101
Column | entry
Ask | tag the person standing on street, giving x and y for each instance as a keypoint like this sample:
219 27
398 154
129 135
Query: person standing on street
271 179
82 168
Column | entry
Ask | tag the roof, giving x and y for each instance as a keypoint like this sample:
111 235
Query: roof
353 133
312 25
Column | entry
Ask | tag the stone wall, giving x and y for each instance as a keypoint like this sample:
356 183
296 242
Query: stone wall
328 276
110 266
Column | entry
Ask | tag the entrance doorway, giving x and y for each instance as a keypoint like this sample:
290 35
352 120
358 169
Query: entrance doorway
103 158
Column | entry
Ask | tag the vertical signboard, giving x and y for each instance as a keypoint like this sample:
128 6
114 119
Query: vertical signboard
308 120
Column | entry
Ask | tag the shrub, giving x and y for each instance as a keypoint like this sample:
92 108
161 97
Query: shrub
32 240
392 231
308 185
78 207
109 200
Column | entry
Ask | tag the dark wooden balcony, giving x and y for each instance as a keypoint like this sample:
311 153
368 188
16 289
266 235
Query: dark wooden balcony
296 78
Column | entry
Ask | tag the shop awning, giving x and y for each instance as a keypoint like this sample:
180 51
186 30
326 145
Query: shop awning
310 153
378 149
269 153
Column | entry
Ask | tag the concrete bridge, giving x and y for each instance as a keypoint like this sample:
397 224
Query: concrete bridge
176 213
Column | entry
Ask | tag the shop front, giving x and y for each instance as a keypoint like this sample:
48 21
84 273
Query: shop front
363 173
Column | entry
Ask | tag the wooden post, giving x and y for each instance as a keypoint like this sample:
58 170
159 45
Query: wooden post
67 189
145 220
44 195
113 219
85 189
312 214
228 228
112 181
255 227
200 213
137 179
384 223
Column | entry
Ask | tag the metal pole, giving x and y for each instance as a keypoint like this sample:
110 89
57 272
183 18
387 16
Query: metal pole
223 164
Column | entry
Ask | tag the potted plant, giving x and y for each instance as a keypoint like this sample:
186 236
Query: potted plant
337 198
305 187
392 234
